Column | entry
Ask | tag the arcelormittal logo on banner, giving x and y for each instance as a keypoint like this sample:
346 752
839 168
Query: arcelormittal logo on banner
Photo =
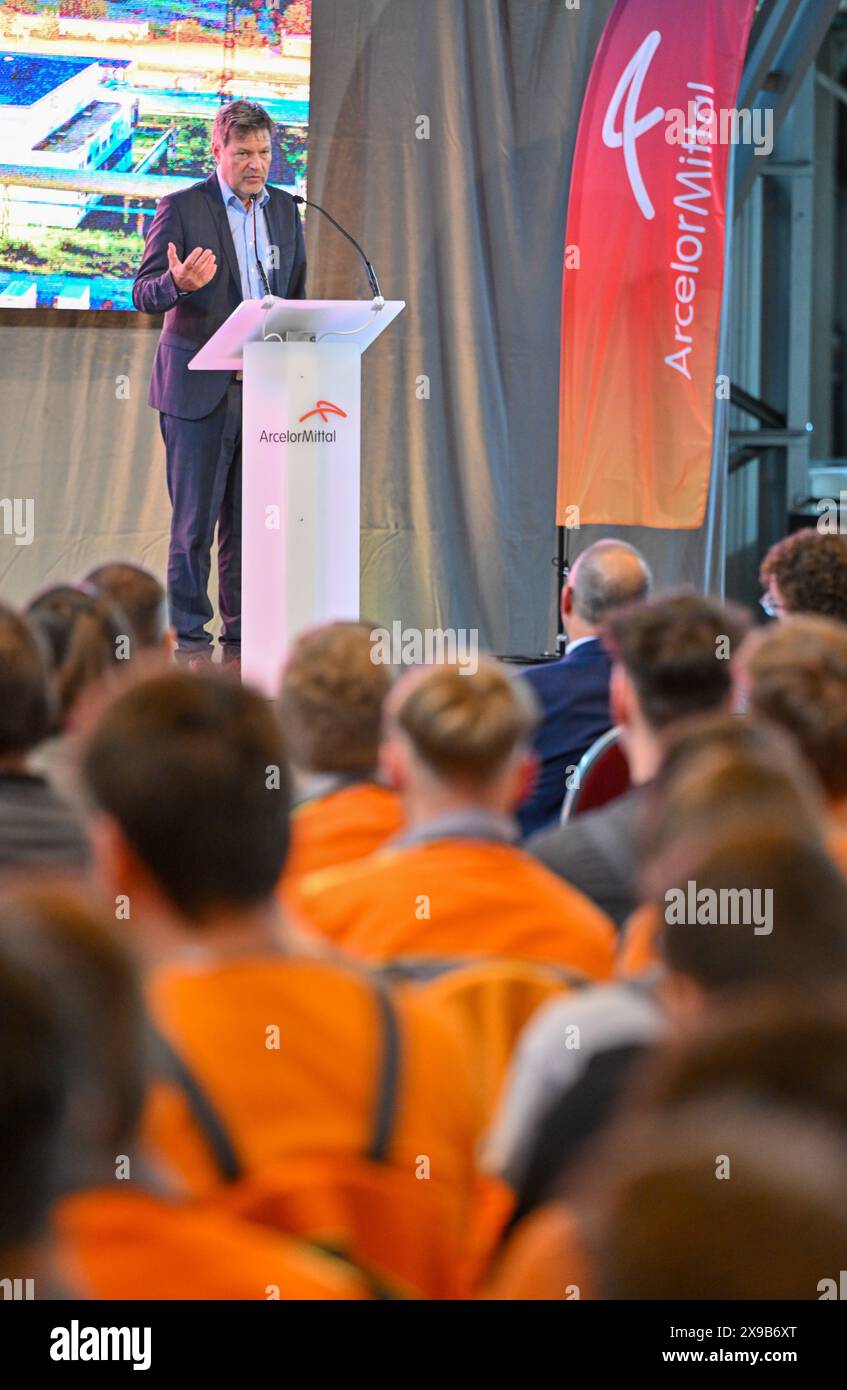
632 126
641 313
312 435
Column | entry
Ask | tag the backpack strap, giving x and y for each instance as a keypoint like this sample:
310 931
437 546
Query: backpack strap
211 1126
385 1110
207 1119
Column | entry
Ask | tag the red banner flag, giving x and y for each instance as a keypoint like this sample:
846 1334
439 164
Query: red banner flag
644 263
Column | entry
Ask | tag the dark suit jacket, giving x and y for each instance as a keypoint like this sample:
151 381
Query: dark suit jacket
196 216
598 853
574 697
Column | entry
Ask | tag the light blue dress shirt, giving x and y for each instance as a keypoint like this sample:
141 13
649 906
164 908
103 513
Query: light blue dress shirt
241 226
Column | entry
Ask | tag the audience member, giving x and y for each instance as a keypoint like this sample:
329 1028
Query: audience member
138 594
454 886
806 573
775 1059
671 659
88 640
33 1100
308 1119
794 673
574 691
119 1232
723 1200
37 828
235 1092
736 767
330 705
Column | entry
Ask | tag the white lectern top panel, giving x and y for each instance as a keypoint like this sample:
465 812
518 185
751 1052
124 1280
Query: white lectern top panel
355 321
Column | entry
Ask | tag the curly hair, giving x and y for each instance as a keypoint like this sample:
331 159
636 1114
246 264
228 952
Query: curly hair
810 570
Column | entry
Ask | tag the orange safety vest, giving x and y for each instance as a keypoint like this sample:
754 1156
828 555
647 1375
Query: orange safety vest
306 1097
544 1258
342 826
457 898
133 1244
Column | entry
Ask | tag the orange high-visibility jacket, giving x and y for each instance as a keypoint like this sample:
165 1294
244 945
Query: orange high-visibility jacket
639 948
457 898
307 1098
544 1258
126 1243
345 825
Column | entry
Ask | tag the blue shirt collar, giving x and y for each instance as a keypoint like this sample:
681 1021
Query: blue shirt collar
228 195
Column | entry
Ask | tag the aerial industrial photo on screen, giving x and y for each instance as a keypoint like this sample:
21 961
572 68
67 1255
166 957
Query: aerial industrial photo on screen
106 105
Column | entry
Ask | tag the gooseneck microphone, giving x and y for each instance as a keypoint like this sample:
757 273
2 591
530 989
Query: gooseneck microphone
372 280
254 198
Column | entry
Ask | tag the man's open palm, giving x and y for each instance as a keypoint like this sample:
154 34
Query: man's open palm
198 268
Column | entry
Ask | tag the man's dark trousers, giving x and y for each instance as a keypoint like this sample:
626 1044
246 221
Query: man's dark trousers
204 485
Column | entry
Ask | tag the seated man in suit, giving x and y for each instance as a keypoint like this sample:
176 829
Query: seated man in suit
228 238
670 660
454 886
574 691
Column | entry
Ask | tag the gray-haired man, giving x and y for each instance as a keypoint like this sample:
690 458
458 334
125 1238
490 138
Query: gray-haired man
574 691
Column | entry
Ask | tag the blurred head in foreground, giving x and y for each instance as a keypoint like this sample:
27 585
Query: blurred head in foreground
723 1199
743 1124
735 862
33 1101
190 800
88 981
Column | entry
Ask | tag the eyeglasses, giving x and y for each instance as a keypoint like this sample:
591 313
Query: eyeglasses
771 606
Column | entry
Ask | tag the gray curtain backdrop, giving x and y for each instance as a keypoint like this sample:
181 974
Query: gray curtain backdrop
77 436
460 396
468 226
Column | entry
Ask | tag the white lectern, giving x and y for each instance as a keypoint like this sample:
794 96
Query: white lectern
300 442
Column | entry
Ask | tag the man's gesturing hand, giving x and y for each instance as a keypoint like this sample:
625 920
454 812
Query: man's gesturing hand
195 271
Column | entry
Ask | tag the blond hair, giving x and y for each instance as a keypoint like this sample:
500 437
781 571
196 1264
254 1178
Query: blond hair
465 727
331 699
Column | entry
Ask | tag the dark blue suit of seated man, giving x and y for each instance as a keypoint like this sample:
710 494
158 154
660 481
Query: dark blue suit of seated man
199 263
574 691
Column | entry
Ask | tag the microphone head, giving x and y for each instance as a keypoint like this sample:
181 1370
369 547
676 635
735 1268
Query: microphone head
295 198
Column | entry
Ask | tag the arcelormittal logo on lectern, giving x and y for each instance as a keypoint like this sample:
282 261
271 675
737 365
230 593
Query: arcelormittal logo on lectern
307 436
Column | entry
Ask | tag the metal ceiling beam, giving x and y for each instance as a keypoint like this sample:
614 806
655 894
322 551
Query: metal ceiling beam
784 42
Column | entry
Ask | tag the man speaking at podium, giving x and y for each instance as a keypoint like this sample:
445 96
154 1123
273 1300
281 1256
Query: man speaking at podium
227 238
